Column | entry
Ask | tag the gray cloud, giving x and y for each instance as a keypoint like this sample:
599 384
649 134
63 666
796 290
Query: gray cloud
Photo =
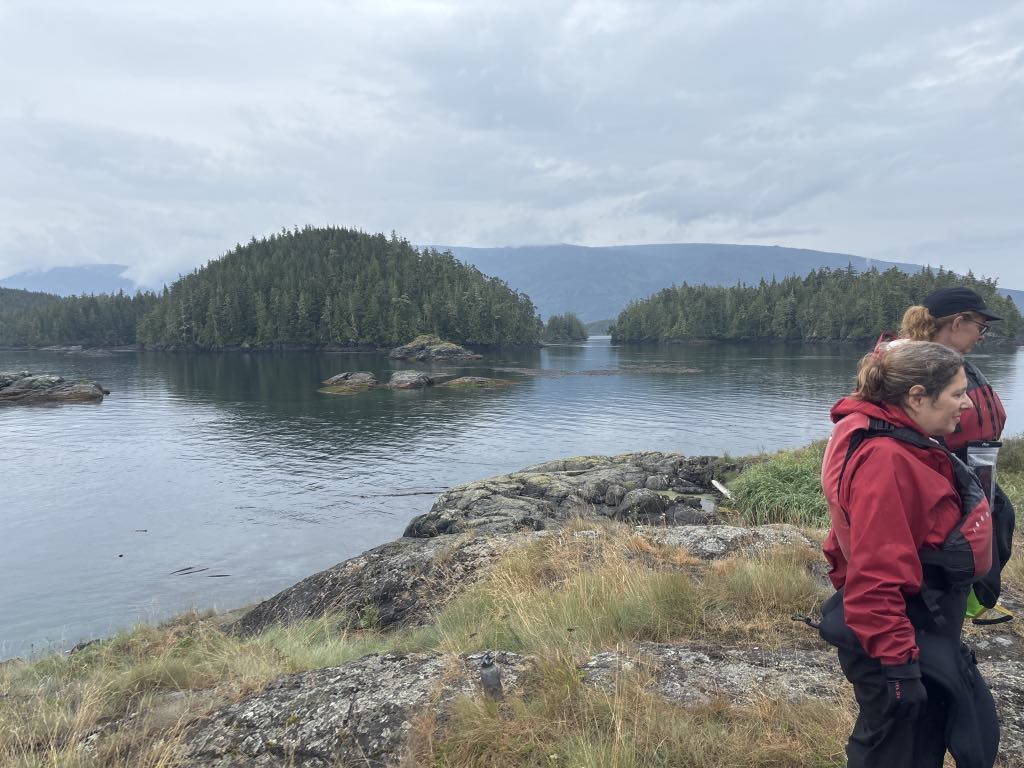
159 136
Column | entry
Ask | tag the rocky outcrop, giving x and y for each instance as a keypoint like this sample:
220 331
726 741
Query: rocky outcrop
24 388
548 494
348 382
357 714
432 349
361 713
406 582
400 583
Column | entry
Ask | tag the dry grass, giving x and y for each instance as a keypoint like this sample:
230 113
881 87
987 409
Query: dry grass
558 721
579 592
137 689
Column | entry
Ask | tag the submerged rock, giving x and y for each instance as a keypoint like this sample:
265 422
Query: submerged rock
24 388
429 348
477 381
548 494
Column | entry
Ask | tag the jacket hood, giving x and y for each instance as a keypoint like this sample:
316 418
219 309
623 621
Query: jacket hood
894 414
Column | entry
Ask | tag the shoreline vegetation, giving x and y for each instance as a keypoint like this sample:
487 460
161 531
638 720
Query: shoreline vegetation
591 622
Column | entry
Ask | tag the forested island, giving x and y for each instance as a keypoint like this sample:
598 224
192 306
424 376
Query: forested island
826 305
566 327
314 287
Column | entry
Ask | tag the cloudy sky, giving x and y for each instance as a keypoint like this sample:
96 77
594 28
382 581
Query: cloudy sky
160 134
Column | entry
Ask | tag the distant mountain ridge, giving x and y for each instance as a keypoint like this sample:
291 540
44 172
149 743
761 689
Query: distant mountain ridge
73 281
598 282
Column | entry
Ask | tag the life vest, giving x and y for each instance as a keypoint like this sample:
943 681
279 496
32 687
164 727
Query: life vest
985 421
966 552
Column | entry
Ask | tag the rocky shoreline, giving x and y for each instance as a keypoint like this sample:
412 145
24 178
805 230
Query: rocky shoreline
367 711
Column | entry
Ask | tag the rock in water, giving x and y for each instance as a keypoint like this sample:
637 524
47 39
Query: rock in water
23 388
427 348
409 380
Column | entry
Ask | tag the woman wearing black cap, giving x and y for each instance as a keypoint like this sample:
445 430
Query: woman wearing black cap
957 318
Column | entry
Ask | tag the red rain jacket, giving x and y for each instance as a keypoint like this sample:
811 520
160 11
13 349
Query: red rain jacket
898 498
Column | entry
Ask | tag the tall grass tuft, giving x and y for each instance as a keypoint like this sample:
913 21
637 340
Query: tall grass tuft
785 488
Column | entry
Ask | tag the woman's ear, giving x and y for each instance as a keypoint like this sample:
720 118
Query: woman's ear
914 394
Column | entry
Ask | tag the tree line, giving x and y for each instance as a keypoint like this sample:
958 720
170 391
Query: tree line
826 305
103 320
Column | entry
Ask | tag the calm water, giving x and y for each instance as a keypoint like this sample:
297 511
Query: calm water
234 463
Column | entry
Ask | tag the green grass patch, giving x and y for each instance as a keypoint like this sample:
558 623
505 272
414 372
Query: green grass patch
784 488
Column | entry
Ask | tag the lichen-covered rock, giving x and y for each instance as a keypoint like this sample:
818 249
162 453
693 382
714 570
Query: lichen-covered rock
401 583
713 542
24 388
430 348
548 494
356 714
694 676
409 380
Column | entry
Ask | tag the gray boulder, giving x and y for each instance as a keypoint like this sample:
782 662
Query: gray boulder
24 388
548 494
642 505
409 380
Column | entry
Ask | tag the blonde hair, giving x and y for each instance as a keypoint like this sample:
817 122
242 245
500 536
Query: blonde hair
887 375
920 325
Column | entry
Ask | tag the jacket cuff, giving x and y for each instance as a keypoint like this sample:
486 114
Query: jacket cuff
902 671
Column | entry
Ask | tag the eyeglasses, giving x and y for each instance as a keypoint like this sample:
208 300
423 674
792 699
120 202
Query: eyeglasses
983 328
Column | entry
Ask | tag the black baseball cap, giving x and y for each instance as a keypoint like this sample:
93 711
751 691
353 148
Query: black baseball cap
950 301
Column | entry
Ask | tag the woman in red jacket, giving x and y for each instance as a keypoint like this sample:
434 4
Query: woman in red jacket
958 318
911 530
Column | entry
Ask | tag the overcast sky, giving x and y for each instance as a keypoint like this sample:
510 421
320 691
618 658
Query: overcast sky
160 134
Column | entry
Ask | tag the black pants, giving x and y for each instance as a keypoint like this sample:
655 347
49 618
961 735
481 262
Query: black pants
884 742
